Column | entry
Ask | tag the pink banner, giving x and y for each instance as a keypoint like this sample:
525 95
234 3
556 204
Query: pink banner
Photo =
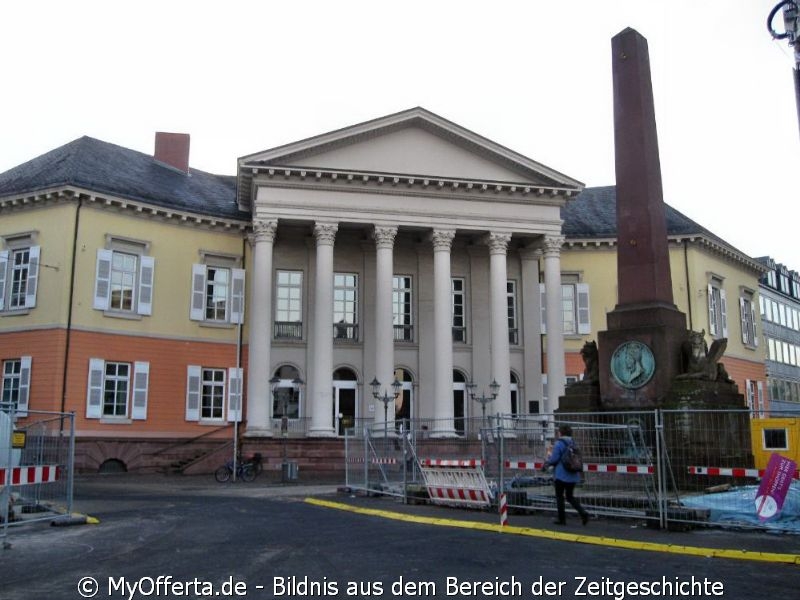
774 486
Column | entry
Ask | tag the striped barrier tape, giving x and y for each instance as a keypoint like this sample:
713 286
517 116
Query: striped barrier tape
31 475
730 472
434 462
590 467
374 461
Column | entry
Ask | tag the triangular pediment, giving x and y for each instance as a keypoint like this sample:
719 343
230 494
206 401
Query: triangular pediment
415 142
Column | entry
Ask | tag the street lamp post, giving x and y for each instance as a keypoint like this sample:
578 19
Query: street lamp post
297 383
386 399
483 399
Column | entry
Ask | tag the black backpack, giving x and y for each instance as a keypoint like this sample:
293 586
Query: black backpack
571 458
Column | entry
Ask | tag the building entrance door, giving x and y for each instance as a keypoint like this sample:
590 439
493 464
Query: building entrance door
345 395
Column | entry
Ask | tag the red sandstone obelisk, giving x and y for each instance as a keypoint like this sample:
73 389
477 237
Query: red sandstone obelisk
640 351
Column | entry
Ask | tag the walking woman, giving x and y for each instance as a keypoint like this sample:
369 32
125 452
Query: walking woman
564 480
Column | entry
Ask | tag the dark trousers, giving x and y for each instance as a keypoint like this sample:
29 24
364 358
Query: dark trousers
566 489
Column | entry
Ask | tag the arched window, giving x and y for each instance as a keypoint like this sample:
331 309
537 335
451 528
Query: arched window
286 392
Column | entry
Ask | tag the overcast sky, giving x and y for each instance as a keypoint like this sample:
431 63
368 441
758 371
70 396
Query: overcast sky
534 76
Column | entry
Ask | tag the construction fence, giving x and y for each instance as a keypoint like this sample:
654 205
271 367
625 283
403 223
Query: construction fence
670 468
36 467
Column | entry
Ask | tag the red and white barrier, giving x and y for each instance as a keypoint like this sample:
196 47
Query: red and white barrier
31 475
730 472
434 462
456 482
503 510
589 467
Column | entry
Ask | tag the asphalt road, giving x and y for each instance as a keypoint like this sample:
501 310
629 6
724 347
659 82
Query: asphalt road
250 541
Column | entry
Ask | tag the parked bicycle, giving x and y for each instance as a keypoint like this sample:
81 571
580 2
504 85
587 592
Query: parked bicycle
245 470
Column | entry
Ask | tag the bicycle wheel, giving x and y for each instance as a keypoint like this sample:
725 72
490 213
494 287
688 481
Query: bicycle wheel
222 474
248 473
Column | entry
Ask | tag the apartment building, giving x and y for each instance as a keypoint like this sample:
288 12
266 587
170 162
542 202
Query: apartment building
779 303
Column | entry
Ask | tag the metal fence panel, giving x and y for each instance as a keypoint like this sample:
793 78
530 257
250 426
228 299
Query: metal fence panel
670 468
37 479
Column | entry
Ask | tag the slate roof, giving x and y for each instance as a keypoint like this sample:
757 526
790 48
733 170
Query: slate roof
593 214
110 169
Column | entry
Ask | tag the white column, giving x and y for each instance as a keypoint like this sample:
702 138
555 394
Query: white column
554 347
442 333
531 301
498 282
322 365
259 400
384 321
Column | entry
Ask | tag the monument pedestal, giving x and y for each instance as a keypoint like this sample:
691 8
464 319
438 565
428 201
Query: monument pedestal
661 328
580 397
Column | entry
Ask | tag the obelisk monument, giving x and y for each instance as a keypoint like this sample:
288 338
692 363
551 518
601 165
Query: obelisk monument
639 354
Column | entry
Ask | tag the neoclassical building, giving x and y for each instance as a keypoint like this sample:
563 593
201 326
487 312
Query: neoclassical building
403 247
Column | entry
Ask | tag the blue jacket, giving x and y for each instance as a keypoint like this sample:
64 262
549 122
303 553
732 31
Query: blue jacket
554 459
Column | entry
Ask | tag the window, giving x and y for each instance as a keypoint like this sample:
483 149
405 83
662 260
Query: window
575 313
289 305
401 309
748 317
210 392
459 321
217 291
16 384
717 309
286 392
117 390
212 395
124 278
19 274
775 439
511 303
345 306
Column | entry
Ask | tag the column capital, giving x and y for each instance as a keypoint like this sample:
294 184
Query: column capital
530 253
384 236
325 233
264 230
498 242
442 239
552 245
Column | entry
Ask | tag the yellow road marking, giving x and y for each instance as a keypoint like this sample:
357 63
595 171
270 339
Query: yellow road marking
558 535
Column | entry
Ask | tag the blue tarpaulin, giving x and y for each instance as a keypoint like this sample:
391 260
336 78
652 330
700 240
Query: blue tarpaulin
738 506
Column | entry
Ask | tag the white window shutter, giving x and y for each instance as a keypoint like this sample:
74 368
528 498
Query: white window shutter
743 313
33 276
237 296
141 378
724 312
24 386
147 266
197 312
543 305
584 318
234 394
712 317
755 331
94 394
544 392
762 401
102 281
3 272
193 375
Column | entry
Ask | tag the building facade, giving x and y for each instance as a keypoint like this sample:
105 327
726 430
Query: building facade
162 304
779 302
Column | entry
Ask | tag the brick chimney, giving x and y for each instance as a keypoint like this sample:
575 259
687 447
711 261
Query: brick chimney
173 149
